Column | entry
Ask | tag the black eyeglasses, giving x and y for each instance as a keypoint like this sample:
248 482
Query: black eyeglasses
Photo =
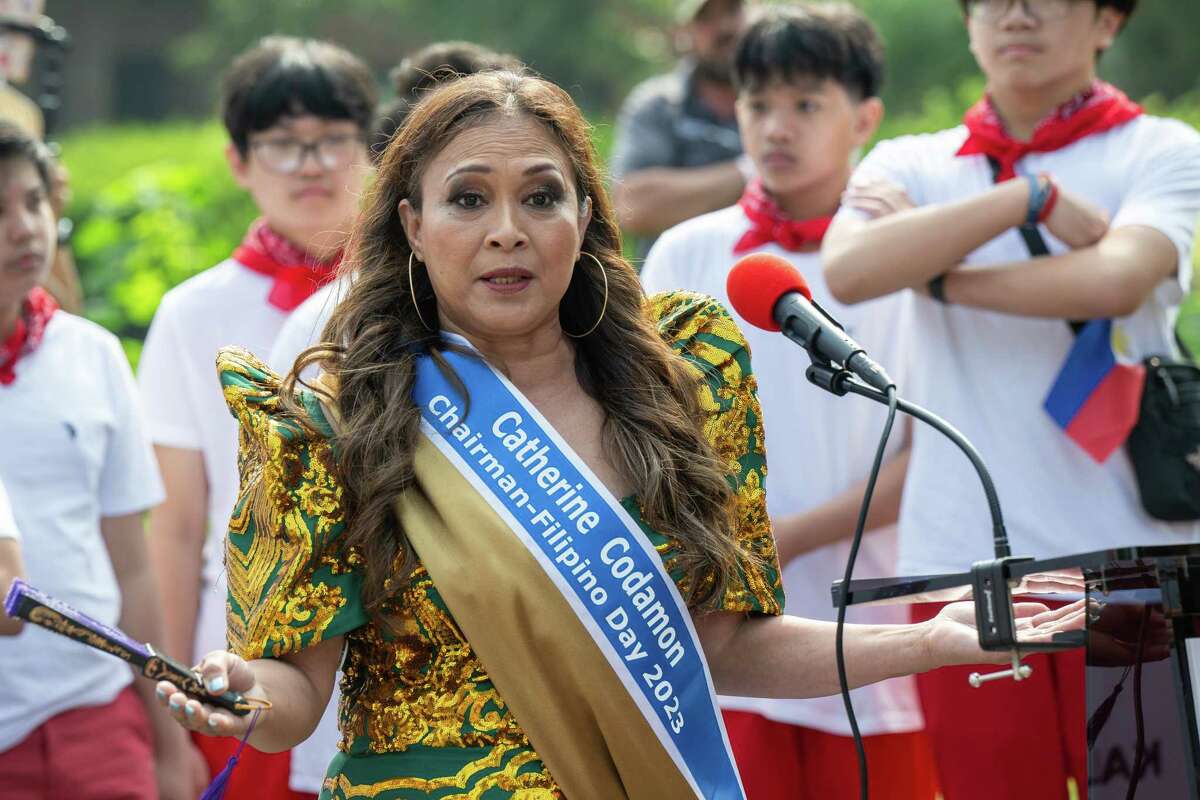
286 154
1042 10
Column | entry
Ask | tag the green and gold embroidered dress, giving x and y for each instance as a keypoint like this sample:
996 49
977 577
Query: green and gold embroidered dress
419 716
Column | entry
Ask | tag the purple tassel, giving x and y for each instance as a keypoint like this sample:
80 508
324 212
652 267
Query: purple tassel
216 789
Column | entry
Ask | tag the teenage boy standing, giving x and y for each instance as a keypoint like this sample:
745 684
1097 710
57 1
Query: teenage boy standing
808 82
297 113
1116 193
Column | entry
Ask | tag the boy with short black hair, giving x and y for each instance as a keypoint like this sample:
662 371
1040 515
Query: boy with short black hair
1052 157
297 112
808 80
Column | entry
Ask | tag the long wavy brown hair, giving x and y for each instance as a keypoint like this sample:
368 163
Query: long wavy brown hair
652 429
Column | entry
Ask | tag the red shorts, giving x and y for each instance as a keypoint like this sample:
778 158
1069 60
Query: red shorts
89 753
779 761
257 776
1007 739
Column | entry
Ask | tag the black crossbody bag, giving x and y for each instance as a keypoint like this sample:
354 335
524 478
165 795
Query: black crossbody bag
1164 445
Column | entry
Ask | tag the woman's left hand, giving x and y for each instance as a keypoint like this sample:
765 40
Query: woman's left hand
954 639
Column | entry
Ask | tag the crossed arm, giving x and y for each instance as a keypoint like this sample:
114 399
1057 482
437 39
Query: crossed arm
1107 273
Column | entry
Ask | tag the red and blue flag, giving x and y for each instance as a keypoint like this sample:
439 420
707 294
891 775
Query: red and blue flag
1095 398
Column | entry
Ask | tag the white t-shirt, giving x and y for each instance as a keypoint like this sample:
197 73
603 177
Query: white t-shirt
73 452
185 408
8 525
303 327
817 446
988 373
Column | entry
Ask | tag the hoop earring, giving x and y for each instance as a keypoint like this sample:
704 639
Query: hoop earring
603 306
412 290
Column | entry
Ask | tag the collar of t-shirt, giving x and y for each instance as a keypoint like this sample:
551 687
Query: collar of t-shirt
768 223
36 311
1099 108
296 274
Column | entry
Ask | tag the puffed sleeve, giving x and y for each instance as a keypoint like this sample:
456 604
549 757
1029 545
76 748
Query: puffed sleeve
291 582
700 331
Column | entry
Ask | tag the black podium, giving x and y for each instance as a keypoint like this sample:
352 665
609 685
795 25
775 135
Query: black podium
1142 636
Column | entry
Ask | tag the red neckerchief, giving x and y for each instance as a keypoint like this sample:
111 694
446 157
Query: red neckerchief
768 223
297 274
36 311
1100 108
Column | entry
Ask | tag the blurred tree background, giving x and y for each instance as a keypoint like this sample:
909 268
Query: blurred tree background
154 204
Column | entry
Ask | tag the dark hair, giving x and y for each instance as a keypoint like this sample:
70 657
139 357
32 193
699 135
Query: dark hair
823 42
653 428
16 145
284 76
413 77
1126 7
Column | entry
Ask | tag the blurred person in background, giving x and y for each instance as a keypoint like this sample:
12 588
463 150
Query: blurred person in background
298 113
412 79
808 81
677 153
79 473
1049 156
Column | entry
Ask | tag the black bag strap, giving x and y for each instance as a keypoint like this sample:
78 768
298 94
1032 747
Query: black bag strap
1034 242
1037 247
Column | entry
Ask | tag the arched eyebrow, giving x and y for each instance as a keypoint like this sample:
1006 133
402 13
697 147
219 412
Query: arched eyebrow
484 169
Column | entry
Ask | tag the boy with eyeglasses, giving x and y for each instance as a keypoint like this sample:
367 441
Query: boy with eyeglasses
1114 195
297 113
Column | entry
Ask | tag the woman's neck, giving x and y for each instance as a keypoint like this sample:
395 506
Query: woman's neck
533 362
1023 109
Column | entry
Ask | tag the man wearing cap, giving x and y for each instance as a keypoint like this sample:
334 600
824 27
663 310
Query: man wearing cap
677 152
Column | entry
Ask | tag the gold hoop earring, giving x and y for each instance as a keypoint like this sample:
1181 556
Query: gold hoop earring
412 290
603 306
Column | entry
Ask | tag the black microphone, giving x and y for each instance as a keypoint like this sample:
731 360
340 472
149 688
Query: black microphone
769 293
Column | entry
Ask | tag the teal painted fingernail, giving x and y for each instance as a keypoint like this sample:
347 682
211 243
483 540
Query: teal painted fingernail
216 685
174 706
161 692
189 710
212 722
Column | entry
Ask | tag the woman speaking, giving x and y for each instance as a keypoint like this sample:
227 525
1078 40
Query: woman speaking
522 508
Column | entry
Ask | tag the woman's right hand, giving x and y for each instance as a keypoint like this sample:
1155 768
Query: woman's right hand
221 671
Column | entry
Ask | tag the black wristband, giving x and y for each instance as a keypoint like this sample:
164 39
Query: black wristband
937 288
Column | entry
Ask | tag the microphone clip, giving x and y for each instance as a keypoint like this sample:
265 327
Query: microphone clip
828 377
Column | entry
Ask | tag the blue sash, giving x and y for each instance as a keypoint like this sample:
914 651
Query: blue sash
595 554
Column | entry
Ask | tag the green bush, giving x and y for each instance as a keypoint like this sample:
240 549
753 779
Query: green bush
152 208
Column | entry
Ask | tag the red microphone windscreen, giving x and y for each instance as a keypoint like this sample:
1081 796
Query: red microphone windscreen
756 283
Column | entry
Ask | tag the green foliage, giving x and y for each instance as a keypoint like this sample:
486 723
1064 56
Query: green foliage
152 208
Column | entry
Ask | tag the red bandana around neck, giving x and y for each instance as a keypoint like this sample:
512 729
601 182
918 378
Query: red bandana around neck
36 311
1100 108
297 274
768 223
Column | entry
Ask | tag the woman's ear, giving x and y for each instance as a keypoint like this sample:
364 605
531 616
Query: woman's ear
410 218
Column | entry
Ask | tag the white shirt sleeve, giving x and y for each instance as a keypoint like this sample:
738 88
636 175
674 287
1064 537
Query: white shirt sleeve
895 160
661 270
129 478
1165 196
8 525
171 416
303 328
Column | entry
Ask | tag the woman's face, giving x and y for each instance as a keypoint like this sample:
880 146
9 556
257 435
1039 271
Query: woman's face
27 230
499 229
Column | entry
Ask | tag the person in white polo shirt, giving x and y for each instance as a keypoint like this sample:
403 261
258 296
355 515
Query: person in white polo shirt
808 81
79 473
11 565
1113 194
297 113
